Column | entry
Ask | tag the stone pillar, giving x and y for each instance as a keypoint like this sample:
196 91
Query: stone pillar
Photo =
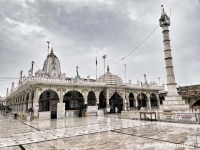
30 101
124 104
61 96
97 99
135 100
128 104
158 101
148 102
35 103
85 96
24 108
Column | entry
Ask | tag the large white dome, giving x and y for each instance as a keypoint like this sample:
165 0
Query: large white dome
110 79
51 66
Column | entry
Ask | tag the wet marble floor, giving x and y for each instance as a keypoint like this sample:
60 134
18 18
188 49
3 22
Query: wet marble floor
93 133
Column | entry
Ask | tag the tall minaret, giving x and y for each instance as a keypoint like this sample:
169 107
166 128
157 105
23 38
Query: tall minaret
172 102
171 83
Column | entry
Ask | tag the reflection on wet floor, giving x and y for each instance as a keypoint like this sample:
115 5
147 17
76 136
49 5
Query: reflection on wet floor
109 132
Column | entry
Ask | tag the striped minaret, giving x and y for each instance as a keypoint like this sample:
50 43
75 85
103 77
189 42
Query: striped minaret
171 82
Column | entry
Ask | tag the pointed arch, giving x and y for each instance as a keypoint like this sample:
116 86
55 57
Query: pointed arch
102 99
142 100
154 100
73 99
116 103
48 100
91 98
131 100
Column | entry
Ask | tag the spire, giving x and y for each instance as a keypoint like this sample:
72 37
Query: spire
52 50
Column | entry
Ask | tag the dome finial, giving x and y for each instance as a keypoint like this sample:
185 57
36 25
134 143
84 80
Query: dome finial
52 50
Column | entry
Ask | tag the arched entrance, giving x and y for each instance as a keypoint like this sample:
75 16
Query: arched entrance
131 100
48 101
153 100
142 100
102 99
73 99
91 99
116 103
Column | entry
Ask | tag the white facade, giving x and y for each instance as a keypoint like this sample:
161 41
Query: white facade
109 89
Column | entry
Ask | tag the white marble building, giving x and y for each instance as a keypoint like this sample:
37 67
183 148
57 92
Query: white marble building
49 86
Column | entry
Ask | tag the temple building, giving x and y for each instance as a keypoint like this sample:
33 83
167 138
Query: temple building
48 88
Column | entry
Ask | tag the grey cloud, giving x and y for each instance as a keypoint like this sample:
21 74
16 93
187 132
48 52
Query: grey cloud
81 30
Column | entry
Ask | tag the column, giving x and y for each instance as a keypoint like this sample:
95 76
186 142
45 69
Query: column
128 104
61 96
136 100
158 101
35 103
124 104
97 99
85 97
149 102
30 101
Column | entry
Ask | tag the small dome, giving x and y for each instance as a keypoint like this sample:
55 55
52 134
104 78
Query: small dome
110 79
77 77
51 66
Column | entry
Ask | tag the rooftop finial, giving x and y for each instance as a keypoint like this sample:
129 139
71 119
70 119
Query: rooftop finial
51 47
145 78
52 50
77 69
48 47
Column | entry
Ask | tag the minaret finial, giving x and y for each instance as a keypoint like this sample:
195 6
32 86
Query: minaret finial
108 68
162 8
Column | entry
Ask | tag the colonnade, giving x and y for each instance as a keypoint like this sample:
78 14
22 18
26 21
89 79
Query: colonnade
30 98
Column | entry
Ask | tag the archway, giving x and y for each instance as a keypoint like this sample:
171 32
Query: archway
91 99
142 100
73 99
116 101
153 100
102 99
48 101
131 100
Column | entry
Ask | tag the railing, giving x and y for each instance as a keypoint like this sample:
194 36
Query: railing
38 79
147 87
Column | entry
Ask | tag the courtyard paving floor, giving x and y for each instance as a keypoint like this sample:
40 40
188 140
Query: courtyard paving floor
97 133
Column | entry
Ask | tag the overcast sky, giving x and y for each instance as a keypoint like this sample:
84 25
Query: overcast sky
83 29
